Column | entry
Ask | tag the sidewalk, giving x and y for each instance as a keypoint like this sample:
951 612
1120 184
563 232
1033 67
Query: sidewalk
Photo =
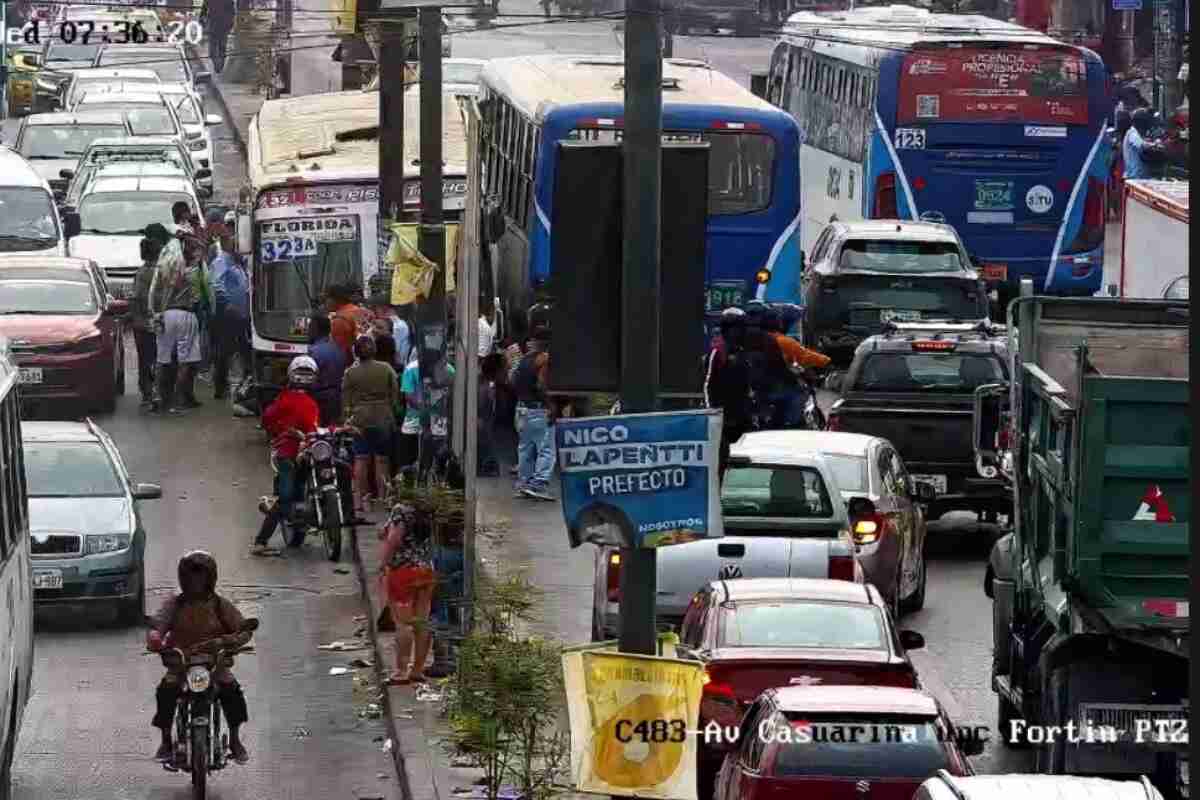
533 539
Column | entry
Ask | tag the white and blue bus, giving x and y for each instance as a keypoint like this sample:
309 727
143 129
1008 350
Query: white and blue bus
993 128
16 572
530 103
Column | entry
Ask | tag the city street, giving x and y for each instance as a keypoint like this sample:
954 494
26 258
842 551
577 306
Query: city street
87 730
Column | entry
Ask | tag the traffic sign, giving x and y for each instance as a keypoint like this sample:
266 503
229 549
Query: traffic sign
1127 5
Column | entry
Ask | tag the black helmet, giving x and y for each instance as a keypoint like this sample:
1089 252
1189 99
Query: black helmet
756 312
732 318
199 560
772 320
539 316
1143 120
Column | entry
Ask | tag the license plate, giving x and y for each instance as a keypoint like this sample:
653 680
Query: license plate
994 272
938 482
899 315
720 296
30 375
47 579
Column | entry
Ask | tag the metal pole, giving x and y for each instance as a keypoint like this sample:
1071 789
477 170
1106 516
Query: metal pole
4 59
640 280
391 120
431 314
1125 42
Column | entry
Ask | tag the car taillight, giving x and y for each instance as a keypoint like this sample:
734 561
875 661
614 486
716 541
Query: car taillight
1003 438
867 529
833 423
612 578
841 568
1091 233
885 197
718 702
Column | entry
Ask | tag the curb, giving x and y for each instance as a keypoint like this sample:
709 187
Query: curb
215 89
386 700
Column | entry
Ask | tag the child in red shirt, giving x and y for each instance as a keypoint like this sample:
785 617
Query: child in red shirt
293 413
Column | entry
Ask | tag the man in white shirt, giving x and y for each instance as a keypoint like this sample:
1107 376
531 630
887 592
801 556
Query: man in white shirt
487 335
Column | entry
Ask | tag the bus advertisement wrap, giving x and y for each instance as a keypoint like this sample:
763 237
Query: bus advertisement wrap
976 85
642 480
632 723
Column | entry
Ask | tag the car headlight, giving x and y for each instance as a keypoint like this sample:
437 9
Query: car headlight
198 679
321 451
107 543
197 145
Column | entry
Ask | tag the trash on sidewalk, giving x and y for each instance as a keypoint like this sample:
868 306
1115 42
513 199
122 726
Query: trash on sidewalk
338 670
462 762
480 793
425 694
361 663
360 618
301 733
372 711
387 746
341 646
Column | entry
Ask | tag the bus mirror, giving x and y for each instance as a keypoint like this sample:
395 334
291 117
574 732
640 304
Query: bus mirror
243 234
758 84
802 261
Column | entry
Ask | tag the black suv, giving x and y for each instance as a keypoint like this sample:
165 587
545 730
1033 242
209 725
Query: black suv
914 385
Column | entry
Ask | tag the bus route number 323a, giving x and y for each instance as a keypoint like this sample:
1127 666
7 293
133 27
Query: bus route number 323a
287 249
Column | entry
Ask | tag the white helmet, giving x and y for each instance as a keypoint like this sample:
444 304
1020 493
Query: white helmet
302 371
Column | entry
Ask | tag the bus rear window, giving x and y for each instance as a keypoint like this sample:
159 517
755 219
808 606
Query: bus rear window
1044 87
740 166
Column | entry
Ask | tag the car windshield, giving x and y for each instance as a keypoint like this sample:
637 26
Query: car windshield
151 121
58 51
26 218
901 257
63 141
185 106
860 746
775 492
802 624
70 469
46 297
128 213
166 63
850 472
461 73
939 372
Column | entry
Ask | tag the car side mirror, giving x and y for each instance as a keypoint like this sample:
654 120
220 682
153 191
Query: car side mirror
71 224
116 308
924 492
146 491
987 421
802 258
911 640
249 625
202 77
213 119
66 174
202 173
60 196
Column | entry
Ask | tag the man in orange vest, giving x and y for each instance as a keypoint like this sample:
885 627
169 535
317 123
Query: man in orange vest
348 319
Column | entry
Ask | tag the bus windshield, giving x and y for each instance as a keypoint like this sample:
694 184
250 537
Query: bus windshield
740 166
1045 87
297 260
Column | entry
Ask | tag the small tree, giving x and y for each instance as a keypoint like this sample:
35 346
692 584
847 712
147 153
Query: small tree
506 696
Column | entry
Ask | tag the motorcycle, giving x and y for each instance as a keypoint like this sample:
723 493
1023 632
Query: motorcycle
325 461
201 747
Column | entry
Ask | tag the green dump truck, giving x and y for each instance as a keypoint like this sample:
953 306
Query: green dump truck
1090 588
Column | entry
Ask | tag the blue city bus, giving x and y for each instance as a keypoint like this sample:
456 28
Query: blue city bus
993 128
530 103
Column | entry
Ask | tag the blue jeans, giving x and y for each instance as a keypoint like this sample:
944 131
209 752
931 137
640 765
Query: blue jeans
289 488
789 408
535 447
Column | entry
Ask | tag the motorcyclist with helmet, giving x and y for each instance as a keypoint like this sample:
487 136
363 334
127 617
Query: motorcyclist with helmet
293 413
791 395
727 379
1142 153
199 620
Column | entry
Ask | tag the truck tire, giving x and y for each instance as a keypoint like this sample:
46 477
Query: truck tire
1052 756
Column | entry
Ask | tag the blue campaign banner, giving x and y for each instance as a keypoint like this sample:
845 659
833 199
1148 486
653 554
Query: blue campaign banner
641 480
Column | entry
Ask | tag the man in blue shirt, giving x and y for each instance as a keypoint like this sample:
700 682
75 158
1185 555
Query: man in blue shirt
331 367
1137 143
231 322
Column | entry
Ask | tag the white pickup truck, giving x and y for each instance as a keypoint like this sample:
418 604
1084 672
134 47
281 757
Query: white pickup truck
1154 239
783 519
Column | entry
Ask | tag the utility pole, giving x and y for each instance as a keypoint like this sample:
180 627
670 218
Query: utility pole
431 314
640 280
392 48
4 59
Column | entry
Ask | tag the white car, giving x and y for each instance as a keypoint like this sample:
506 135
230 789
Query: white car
195 122
116 205
149 112
169 61
460 77
84 79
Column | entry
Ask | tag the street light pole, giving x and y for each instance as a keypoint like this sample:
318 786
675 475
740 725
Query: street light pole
640 280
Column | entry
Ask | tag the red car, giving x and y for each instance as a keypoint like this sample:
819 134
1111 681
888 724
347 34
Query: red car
63 330
842 743
753 634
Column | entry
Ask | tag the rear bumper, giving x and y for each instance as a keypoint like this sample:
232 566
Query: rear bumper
1077 274
84 376
966 491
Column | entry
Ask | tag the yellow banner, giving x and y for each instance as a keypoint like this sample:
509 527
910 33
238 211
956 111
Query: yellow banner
412 278
633 722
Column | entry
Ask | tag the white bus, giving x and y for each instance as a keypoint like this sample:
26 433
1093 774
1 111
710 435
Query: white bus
312 218
16 572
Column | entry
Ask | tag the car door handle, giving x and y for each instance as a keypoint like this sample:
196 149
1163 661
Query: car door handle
731 550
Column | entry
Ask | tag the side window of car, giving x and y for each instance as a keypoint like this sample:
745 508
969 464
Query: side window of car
692 627
901 474
887 472
749 742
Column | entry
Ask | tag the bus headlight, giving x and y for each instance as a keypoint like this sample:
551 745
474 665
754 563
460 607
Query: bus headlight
762 276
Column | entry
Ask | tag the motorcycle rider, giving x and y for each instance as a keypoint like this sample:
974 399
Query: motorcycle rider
194 620
789 400
727 380
294 410
774 388
1141 152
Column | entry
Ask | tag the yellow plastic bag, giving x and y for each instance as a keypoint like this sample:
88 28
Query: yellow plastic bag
413 273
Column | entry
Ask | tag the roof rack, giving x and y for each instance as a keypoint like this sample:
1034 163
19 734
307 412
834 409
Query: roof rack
983 327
